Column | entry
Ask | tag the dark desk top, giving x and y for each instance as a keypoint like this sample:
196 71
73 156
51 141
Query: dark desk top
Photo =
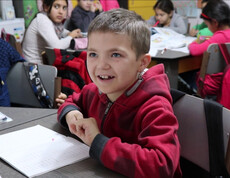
169 54
87 168
23 115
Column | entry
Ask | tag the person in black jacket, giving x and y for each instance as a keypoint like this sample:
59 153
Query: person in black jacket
83 14
8 57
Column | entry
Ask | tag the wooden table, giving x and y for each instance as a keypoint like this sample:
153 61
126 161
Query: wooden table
87 168
175 63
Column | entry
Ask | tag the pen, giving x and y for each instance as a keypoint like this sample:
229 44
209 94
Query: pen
3 119
163 51
156 24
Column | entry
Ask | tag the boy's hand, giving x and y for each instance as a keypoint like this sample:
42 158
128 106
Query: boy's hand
86 130
71 119
60 99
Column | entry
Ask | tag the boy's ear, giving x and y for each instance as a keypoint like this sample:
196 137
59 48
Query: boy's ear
144 61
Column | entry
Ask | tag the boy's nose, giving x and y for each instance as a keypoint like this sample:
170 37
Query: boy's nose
102 63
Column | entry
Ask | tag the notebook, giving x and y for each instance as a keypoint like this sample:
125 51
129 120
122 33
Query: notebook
37 150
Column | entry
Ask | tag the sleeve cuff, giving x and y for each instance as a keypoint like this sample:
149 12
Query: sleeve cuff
98 146
62 119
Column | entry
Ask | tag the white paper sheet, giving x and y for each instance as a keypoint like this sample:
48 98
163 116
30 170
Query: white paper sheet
166 38
4 118
37 150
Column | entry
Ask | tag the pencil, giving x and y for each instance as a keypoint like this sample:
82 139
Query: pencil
156 24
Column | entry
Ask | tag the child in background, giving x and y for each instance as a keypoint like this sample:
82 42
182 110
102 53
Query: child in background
165 16
9 56
109 4
83 14
70 7
47 30
216 15
201 29
126 114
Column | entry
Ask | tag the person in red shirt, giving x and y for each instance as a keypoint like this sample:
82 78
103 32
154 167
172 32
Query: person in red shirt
216 15
126 114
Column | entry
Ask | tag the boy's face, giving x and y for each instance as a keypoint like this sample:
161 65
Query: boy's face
112 63
163 17
85 4
58 11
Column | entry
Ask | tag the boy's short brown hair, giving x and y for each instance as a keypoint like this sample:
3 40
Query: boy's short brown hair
123 21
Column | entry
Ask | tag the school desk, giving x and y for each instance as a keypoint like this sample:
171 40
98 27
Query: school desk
176 62
23 115
87 168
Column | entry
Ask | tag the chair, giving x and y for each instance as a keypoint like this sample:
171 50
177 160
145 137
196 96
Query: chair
213 61
20 90
48 56
213 80
192 132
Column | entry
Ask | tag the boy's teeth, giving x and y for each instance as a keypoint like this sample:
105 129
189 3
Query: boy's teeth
104 77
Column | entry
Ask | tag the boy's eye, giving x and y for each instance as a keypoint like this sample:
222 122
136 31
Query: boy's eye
116 55
92 54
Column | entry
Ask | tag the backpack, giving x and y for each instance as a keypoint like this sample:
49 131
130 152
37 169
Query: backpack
72 70
217 85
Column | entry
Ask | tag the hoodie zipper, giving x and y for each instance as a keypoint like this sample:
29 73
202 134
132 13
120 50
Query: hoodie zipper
105 114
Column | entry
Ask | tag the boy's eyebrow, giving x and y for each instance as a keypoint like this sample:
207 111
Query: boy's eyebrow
118 49
91 49
110 50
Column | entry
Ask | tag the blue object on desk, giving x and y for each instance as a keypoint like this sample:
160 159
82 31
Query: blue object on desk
4 118
153 31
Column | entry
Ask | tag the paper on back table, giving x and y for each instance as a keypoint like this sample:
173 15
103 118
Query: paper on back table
37 150
166 38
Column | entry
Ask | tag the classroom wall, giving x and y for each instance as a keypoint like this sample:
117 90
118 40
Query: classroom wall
142 7
145 8
194 20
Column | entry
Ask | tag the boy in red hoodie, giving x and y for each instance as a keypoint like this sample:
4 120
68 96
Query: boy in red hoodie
125 115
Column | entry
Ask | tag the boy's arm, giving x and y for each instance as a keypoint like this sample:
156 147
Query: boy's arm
97 146
65 108
156 152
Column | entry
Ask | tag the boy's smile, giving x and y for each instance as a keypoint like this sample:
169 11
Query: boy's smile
112 62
